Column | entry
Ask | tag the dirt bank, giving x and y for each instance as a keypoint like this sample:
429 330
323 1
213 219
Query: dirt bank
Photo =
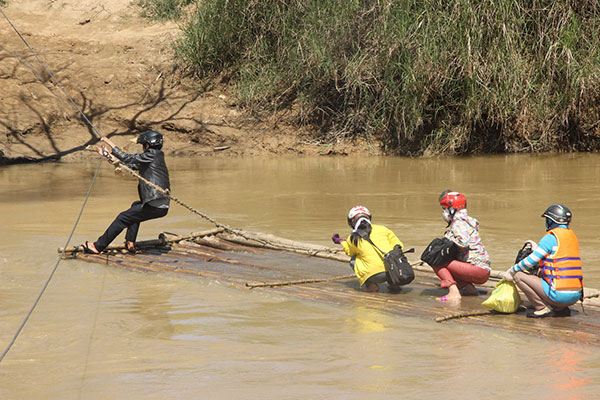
118 68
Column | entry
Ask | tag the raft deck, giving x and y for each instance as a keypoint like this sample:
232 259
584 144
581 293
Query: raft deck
245 261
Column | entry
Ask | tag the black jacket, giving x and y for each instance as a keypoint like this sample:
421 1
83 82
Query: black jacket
151 166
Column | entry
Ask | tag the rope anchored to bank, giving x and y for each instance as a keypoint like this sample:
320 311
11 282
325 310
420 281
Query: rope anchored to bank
165 192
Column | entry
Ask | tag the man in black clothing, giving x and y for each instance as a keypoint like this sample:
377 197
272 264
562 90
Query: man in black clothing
152 204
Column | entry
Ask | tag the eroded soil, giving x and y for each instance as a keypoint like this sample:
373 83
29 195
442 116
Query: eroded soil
118 68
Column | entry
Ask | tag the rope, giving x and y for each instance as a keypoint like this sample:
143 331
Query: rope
125 167
97 133
168 194
37 300
94 130
12 342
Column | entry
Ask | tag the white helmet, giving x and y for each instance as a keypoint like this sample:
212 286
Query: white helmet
354 211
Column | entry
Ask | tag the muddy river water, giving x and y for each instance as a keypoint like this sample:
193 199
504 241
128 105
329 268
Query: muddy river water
104 333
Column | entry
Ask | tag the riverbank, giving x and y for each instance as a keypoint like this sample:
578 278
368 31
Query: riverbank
423 78
118 68
463 80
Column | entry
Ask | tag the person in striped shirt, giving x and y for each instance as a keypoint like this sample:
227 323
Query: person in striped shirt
560 280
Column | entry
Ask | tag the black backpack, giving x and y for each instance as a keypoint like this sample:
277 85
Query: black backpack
398 270
439 252
525 251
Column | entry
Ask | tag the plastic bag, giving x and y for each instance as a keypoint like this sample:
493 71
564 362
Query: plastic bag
505 298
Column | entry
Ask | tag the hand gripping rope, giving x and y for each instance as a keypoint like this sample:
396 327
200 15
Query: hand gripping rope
106 154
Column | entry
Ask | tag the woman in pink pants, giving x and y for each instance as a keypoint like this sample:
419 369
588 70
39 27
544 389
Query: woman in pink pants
472 263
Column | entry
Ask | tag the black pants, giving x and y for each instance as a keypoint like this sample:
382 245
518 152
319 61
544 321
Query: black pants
129 219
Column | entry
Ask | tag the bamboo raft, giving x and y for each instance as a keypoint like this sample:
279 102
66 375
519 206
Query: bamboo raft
255 261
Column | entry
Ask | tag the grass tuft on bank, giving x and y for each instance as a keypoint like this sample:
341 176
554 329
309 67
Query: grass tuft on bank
162 9
472 76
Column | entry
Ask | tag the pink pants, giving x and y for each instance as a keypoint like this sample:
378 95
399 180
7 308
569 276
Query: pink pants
460 273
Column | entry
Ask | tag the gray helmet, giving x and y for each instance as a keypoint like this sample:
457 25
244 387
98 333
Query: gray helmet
558 213
153 139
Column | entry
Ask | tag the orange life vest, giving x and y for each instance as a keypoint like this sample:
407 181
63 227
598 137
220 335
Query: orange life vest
562 269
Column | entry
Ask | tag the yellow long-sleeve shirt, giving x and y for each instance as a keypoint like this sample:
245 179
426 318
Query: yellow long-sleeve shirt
368 259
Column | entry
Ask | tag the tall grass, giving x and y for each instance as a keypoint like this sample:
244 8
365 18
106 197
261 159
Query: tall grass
162 9
423 76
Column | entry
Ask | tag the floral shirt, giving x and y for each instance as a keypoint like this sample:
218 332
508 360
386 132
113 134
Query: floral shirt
464 231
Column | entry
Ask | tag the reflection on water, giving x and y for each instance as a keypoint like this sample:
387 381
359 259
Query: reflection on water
100 332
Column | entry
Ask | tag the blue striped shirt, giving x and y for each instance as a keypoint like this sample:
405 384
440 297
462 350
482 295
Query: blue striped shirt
548 245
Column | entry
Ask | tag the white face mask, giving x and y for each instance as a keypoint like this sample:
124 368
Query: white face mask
446 215
358 221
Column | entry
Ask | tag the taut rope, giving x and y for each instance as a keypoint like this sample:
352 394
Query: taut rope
165 192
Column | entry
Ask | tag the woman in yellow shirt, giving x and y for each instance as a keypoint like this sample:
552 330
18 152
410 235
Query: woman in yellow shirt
366 260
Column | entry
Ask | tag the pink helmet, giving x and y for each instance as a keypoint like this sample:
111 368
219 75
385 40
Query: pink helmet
354 211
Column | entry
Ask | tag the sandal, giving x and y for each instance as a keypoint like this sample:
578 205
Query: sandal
130 247
87 249
543 313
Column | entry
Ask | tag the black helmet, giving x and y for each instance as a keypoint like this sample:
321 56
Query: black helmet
558 213
152 138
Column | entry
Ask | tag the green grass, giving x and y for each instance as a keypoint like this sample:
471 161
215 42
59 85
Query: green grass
162 9
431 76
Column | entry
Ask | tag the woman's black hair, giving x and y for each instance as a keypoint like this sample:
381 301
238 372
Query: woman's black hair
363 230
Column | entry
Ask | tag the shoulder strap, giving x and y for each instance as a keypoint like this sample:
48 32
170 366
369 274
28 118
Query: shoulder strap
368 239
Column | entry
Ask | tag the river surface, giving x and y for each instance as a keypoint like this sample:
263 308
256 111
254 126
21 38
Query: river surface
104 333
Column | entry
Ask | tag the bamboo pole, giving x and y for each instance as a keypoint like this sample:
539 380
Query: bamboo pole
308 280
160 242
286 283
464 314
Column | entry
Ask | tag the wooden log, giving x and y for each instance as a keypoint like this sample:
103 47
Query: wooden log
160 242
297 282
277 243
193 235
217 243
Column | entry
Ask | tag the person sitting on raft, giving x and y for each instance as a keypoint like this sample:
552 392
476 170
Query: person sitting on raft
366 260
472 263
152 204
561 281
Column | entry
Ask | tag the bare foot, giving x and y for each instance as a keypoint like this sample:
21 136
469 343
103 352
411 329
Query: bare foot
453 294
449 298
89 248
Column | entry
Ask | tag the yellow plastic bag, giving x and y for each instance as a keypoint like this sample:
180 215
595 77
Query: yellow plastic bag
505 298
